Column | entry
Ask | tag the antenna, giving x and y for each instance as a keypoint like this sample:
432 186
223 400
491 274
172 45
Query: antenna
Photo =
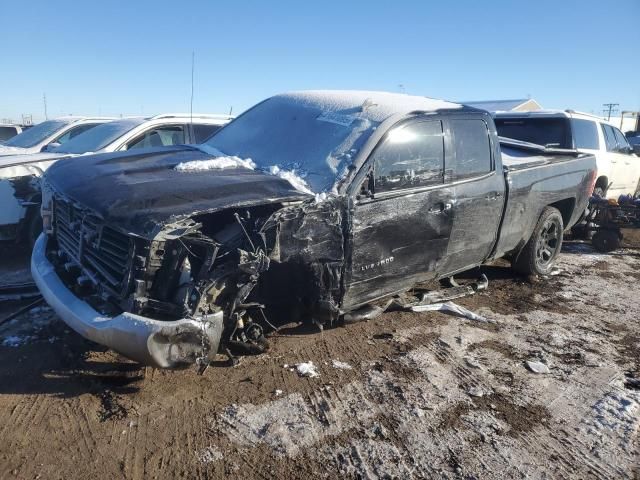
231 110
44 99
193 61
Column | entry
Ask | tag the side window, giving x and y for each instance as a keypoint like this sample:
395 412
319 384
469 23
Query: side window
585 134
164 136
609 137
411 155
621 140
74 132
203 132
472 148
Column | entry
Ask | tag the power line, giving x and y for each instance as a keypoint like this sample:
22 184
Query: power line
610 108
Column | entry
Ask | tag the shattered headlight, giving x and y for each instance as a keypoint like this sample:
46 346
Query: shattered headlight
46 208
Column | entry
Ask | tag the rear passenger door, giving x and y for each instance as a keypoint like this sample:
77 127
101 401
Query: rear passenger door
400 232
479 191
625 167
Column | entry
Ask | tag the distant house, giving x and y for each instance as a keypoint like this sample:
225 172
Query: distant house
518 105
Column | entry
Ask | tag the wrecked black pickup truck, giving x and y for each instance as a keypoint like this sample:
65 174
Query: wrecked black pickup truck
306 207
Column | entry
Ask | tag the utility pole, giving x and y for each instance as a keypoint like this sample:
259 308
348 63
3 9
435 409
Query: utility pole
610 108
44 99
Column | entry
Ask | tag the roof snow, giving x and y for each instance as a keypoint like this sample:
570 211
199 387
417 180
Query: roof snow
374 106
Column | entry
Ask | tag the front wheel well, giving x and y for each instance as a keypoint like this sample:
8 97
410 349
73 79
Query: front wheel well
566 208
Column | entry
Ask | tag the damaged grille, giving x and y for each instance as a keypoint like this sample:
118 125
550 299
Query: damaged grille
103 253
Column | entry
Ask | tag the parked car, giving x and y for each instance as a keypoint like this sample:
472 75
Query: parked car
634 140
309 204
49 134
618 168
20 174
8 130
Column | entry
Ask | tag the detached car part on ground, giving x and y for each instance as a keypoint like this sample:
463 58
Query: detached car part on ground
20 174
321 204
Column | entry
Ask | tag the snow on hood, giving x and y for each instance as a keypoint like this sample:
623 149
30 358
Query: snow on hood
221 161
290 176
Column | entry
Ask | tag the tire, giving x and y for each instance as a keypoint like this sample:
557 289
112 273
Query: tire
538 256
606 240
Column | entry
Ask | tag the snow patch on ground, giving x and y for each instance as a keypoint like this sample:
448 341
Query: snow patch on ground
210 455
307 369
292 423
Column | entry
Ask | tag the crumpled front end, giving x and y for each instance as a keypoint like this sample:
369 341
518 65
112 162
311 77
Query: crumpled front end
164 344
19 191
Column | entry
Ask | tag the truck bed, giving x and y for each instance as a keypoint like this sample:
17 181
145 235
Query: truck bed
517 155
537 177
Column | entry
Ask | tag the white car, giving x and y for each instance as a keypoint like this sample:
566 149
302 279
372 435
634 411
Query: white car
618 168
49 134
20 174
8 131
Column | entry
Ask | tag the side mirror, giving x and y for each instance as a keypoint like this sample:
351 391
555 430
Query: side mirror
50 147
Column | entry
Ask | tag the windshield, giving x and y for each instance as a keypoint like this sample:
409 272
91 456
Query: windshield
37 133
552 132
316 145
99 137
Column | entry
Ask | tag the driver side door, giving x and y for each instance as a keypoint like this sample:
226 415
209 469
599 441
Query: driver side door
400 231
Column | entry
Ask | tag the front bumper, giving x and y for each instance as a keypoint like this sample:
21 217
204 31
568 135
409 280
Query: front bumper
164 344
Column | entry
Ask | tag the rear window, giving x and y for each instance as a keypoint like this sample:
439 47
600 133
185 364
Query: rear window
472 147
203 132
585 134
548 132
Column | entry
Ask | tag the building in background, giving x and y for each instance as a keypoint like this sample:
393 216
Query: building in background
517 105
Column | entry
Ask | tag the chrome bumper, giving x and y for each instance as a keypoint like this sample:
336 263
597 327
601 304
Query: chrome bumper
163 344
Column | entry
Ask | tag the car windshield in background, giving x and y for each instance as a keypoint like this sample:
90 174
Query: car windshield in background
318 145
549 132
37 133
99 137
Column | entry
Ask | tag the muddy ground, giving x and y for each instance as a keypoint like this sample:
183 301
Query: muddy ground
407 395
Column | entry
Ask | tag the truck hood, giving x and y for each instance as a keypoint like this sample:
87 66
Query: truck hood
137 193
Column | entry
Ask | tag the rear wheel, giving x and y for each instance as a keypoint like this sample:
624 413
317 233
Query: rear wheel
539 254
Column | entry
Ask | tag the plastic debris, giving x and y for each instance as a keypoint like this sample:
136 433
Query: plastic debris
307 369
341 365
451 308
537 367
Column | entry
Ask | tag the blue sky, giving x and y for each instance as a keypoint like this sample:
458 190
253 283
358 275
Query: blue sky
133 57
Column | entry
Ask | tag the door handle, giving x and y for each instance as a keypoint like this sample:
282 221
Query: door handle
493 196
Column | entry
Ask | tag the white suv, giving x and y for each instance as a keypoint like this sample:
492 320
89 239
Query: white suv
49 134
618 167
20 174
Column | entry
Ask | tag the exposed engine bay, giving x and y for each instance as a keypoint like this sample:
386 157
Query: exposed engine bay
258 266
